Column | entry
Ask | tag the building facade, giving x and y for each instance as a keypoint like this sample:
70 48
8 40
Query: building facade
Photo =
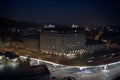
62 41
94 45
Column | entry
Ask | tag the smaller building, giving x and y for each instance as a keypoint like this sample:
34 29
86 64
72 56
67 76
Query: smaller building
1 56
11 56
93 45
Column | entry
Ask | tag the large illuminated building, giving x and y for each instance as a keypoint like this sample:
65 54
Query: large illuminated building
62 40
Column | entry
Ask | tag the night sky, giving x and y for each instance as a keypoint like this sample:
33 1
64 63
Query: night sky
83 12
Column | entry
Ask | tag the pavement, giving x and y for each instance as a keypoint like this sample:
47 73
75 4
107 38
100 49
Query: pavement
89 74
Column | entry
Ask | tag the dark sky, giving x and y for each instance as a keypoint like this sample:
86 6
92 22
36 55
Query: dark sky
83 12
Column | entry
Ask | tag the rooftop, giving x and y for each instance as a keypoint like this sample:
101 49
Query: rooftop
10 55
62 30
21 72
